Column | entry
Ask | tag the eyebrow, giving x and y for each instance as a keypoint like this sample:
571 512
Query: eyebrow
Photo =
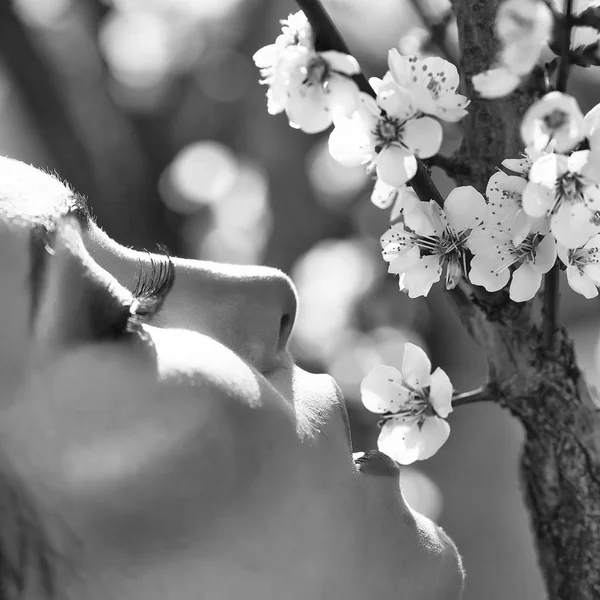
41 240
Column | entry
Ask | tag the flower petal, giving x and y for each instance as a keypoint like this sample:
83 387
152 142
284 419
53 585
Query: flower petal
396 101
581 283
341 62
465 208
405 261
422 136
350 143
433 435
395 166
440 393
382 390
392 440
385 195
265 57
416 366
407 442
545 254
526 281
487 274
342 96
426 218
537 200
548 168
309 111
495 83
419 280
572 224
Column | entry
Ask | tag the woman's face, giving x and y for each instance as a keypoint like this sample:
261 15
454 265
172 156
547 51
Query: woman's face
180 453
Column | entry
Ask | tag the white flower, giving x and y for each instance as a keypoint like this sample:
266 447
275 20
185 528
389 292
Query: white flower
505 205
556 121
433 83
522 27
496 82
415 404
566 189
495 253
583 266
399 198
433 239
312 87
387 133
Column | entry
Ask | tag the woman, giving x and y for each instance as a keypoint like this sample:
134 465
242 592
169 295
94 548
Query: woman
158 441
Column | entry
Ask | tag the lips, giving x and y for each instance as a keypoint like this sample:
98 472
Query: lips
374 462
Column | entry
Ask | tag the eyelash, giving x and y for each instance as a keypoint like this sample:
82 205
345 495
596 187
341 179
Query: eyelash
152 286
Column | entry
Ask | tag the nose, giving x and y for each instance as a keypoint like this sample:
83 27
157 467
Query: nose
249 309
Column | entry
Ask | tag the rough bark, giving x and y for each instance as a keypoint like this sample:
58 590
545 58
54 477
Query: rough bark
560 463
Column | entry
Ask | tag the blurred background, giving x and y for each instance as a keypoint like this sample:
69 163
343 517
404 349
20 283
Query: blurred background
152 108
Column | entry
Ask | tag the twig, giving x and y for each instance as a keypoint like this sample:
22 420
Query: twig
327 37
481 394
552 279
451 165
565 62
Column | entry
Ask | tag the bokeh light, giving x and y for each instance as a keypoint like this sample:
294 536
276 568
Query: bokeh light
201 173
241 222
139 48
331 278
334 184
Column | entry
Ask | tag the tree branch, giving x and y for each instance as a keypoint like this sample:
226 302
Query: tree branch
561 455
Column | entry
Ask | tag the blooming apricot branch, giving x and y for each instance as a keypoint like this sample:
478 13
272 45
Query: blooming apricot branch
535 209
497 242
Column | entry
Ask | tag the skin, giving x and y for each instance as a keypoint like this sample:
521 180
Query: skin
191 459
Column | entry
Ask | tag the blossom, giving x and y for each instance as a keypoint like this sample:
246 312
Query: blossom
310 86
432 239
495 253
583 266
386 133
496 82
399 198
566 189
556 121
505 203
522 27
414 403
432 82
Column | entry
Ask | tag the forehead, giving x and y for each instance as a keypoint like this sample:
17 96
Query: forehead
29 196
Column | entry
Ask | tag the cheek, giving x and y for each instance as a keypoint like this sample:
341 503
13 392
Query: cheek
140 465
14 335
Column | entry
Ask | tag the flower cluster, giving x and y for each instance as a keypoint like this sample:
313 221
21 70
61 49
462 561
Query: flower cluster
548 206
564 184
310 86
389 132
522 27
414 404
430 240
